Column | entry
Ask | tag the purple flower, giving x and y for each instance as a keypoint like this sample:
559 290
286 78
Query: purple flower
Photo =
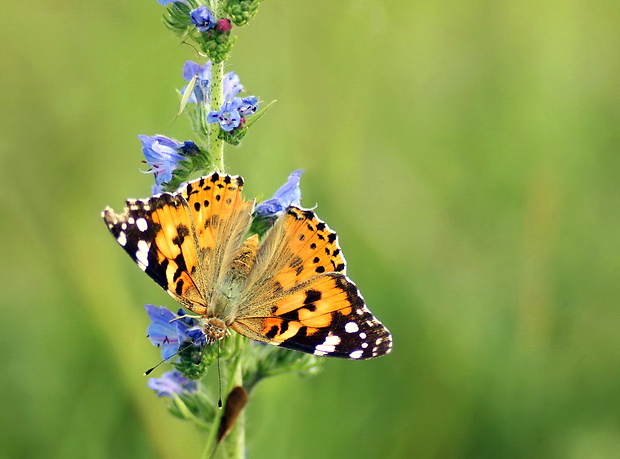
168 332
162 155
166 2
248 106
202 88
287 195
171 383
203 18
228 116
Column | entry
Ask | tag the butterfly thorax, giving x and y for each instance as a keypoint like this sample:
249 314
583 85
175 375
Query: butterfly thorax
226 300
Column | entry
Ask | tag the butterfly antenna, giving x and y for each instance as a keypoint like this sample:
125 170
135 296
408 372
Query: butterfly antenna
181 349
219 378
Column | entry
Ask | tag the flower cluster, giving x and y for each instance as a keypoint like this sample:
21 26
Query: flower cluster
197 22
234 110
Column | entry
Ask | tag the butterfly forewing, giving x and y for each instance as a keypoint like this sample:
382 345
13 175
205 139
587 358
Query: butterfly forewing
158 235
181 240
221 219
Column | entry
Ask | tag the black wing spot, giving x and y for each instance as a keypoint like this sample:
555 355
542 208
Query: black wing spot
310 227
228 201
206 203
313 246
218 197
320 269
179 287
215 177
302 237
273 331
312 296
331 237
316 260
196 206
320 226
227 179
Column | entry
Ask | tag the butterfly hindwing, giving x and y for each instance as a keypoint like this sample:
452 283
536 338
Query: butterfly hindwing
299 297
325 315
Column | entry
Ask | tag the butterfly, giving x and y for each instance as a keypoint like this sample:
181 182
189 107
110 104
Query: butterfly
288 289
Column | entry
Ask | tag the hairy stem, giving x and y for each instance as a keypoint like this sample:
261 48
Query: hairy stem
217 98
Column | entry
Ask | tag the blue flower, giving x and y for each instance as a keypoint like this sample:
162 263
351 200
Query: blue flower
287 195
168 334
166 2
162 155
231 86
202 90
228 116
203 18
248 106
171 383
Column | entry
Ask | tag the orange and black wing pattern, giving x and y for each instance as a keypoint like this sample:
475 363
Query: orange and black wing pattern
299 297
182 239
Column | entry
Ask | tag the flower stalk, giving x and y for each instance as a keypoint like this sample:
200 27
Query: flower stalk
217 95
220 116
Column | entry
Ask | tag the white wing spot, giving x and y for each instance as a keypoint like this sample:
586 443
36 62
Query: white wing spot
317 352
332 340
364 345
141 224
124 226
131 220
356 354
142 255
351 327
122 239
324 348
363 335
359 312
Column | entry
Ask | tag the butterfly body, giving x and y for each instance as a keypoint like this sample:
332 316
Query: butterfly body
288 289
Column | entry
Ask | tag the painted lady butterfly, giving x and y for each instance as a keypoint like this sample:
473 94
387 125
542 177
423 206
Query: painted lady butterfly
288 289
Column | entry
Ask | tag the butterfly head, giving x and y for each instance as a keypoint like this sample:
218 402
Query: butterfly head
215 329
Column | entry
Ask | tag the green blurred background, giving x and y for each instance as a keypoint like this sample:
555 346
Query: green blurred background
465 151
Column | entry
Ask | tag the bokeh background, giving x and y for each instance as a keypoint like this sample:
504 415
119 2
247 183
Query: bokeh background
467 152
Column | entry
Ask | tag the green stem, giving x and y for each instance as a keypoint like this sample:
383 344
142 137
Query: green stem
233 446
217 99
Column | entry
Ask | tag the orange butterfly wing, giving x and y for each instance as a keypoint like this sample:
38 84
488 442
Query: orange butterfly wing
182 240
299 297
